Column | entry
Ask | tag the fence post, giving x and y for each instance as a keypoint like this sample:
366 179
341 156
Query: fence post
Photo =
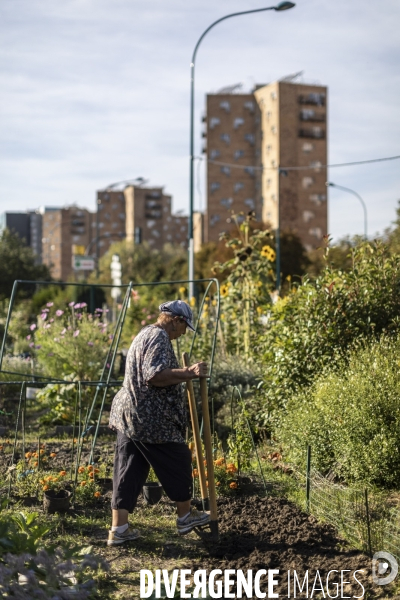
308 479
368 522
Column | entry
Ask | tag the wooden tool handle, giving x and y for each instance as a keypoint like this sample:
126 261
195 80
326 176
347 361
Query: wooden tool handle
209 452
196 433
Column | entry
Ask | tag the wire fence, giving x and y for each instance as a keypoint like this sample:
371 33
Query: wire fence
369 519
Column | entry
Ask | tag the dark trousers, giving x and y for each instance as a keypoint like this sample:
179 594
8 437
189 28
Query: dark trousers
171 463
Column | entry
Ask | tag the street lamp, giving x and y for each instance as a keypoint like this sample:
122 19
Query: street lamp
346 189
279 7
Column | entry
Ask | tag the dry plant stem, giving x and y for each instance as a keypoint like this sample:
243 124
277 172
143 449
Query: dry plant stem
196 432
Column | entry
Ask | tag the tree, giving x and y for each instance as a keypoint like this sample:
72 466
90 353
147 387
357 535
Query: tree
17 261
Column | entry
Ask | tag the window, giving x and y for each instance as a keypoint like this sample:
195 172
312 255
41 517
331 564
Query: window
316 164
237 122
226 202
318 198
153 195
273 197
225 137
156 233
115 206
307 147
150 224
238 154
249 105
250 171
273 129
313 132
313 98
269 182
269 148
214 220
214 154
307 114
273 96
122 216
308 215
250 203
214 121
226 171
307 182
316 232
269 114
238 186
249 137
215 186
225 105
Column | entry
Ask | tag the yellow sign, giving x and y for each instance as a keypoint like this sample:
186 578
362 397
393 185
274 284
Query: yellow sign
78 250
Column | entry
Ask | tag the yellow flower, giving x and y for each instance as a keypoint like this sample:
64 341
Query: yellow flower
222 317
259 310
268 253
214 303
192 301
224 290
207 299
182 290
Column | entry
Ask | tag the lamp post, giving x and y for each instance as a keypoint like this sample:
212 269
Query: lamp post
346 189
279 7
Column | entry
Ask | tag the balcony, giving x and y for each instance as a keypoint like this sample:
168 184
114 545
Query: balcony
313 132
308 114
313 98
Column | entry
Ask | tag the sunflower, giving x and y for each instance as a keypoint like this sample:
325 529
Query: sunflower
224 290
268 253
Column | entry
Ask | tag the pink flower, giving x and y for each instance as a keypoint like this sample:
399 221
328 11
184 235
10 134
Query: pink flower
149 317
45 310
111 337
43 316
32 327
135 295
143 322
59 313
50 304
28 337
31 345
90 344
76 333
51 321
47 326
64 331
71 303
83 304
98 310
107 365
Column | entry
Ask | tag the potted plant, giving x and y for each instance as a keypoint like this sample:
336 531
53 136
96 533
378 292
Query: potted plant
56 498
152 489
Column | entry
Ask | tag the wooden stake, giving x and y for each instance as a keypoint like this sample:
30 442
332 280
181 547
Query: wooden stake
209 457
196 435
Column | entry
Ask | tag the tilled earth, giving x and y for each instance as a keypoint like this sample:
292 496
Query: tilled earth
272 533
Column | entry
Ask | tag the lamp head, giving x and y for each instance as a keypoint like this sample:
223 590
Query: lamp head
284 6
329 184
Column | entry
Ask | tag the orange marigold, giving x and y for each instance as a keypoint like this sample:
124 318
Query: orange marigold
45 487
91 475
195 473
63 473
96 470
90 468
53 455
35 464
83 483
28 454
81 470
233 485
219 462
97 494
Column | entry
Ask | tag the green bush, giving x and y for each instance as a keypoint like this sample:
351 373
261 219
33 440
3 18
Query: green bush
315 326
351 418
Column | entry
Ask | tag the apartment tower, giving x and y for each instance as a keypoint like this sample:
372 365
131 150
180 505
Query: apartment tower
266 152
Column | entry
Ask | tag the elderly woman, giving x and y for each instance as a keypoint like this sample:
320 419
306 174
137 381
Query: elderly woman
149 414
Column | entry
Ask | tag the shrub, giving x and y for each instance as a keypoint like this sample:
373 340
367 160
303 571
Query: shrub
317 325
351 418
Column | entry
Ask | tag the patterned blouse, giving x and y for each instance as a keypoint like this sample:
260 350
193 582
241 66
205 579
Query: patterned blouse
144 412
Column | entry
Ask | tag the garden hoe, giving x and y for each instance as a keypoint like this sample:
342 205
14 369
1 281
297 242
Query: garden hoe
209 500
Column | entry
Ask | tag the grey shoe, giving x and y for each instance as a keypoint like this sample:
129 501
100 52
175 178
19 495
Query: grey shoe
194 519
115 538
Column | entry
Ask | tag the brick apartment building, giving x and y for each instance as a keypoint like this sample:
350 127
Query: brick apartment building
140 214
251 138
61 230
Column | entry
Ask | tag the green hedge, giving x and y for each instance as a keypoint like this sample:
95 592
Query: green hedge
351 418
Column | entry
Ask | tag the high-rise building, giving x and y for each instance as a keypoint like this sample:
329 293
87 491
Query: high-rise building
252 141
63 229
141 214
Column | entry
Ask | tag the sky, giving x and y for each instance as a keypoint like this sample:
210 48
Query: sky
97 91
